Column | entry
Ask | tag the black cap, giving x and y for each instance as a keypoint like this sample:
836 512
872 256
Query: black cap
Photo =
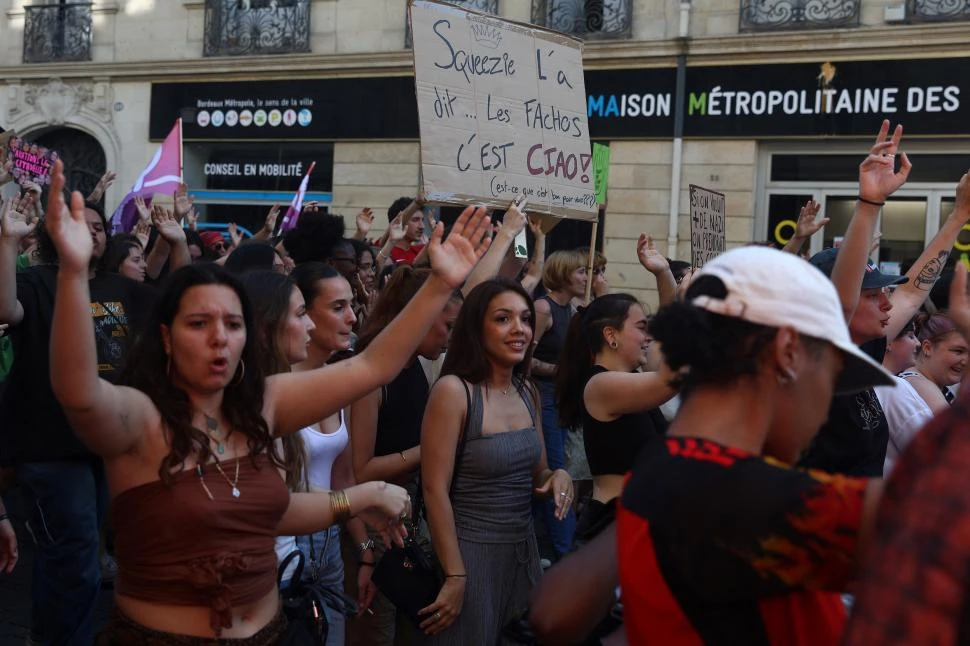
824 261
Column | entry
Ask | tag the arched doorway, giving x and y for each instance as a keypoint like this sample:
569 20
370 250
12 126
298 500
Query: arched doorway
83 156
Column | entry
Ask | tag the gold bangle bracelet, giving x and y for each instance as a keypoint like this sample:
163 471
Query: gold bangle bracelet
340 506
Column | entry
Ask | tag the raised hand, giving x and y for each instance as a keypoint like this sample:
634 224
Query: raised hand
395 231
269 224
234 236
806 226
535 226
192 219
651 259
877 179
14 222
365 219
106 180
183 202
144 212
453 259
68 227
515 219
167 226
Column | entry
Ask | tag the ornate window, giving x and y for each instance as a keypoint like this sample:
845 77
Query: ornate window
769 15
57 32
938 10
249 27
484 6
585 18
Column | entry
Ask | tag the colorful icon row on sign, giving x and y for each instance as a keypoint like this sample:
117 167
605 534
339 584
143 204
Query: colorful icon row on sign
247 118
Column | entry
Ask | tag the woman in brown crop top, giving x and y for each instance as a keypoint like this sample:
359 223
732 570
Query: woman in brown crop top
188 442
599 389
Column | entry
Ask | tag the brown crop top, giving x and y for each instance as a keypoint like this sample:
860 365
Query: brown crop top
176 546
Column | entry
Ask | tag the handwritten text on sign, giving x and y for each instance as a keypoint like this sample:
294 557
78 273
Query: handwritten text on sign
707 234
502 112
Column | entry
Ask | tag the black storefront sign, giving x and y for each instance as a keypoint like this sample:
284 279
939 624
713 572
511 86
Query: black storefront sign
322 109
828 98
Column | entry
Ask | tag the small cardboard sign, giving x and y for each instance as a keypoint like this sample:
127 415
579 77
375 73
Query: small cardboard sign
31 163
707 232
502 112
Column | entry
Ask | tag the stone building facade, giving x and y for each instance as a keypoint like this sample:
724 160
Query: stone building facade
777 102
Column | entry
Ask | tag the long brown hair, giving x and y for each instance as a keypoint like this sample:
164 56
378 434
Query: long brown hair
400 289
466 356
147 370
270 293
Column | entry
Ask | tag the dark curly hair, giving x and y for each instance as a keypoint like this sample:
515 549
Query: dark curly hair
712 349
314 237
147 370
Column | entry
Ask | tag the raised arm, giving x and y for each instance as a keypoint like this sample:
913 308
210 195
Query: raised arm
363 438
537 263
173 234
294 400
109 419
608 395
805 227
269 224
877 181
13 229
654 262
488 267
908 297
543 324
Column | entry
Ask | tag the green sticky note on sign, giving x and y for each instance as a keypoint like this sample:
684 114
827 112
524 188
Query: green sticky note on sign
601 171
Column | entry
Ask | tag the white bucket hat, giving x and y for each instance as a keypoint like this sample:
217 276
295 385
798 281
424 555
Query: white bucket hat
778 289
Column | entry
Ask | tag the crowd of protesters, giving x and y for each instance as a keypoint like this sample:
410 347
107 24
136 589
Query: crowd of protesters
213 422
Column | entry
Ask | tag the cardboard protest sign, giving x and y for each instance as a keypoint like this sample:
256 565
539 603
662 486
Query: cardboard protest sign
502 112
32 163
707 213
601 171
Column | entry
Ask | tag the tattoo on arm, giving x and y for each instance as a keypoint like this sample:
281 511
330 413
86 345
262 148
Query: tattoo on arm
931 271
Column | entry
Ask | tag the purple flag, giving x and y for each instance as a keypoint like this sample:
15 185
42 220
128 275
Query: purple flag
162 175
296 206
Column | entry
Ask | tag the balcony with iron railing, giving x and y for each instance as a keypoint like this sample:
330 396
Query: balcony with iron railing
937 10
776 15
57 32
484 6
585 18
253 27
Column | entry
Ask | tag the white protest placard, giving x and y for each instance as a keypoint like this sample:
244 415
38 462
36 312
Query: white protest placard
706 225
502 112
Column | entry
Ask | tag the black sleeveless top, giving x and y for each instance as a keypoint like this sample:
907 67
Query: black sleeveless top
400 415
612 447
550 345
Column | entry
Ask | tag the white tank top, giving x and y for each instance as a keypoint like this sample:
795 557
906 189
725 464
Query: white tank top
322 450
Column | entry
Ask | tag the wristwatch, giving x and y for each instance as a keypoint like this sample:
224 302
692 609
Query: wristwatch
366 545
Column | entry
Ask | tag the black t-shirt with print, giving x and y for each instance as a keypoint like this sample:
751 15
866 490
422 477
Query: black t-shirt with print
853 440
34 427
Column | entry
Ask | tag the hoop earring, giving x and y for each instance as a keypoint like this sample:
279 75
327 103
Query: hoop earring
786 378
240 373
614 345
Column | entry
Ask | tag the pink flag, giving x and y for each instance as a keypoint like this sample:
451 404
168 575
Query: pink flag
162 175
296 206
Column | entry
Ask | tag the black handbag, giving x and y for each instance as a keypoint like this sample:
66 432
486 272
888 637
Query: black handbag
405 575
305 602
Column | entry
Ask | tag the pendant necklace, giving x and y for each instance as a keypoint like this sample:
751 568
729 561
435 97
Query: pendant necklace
211 426
232 483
